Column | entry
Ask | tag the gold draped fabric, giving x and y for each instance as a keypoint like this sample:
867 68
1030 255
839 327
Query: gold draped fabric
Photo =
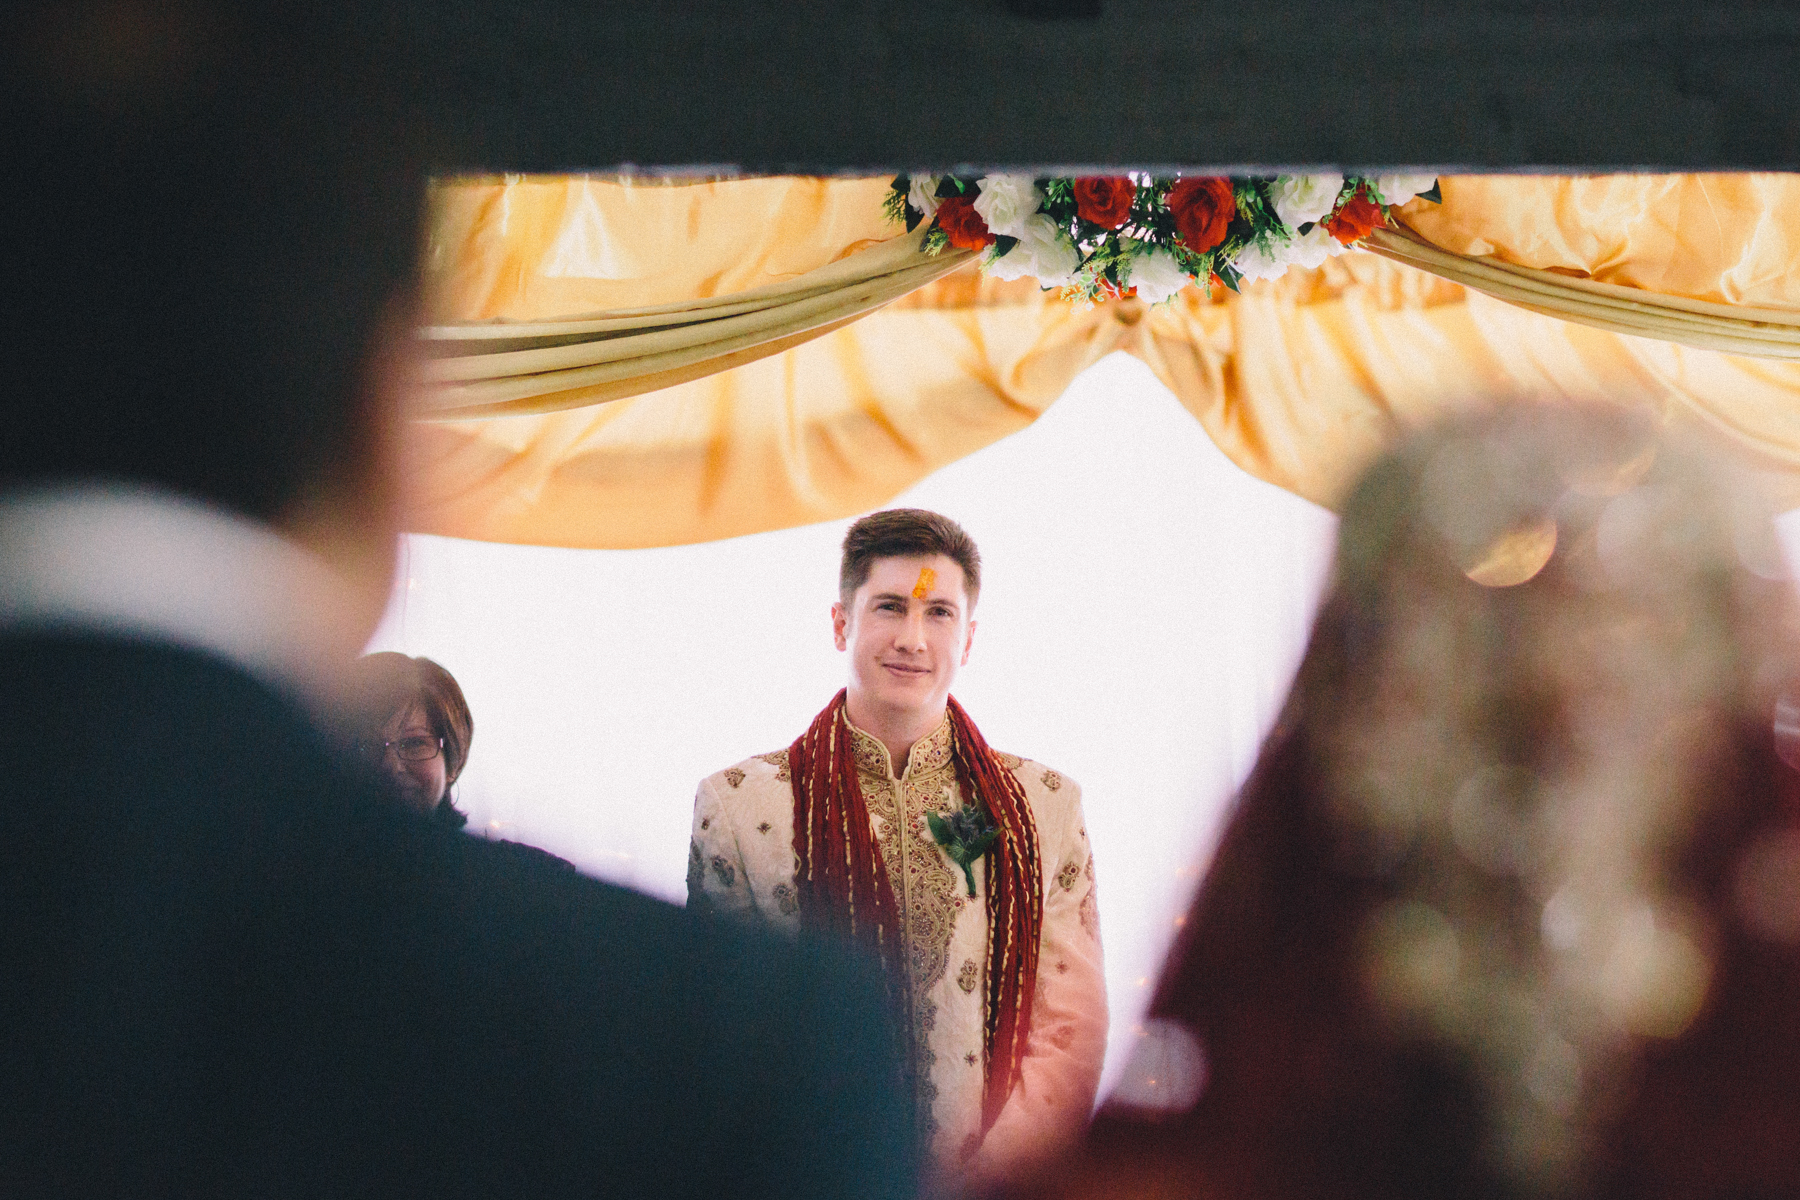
543 248
1730 239
1299 380
1703 260
518 367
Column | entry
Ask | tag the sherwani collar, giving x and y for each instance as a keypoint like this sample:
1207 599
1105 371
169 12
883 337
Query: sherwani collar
932 752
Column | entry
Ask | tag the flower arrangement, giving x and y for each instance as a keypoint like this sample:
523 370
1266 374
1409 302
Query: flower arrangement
1109 236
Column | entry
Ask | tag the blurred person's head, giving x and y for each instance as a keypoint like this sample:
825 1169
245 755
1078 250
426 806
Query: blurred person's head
408 718
907 586
210 261
1510 906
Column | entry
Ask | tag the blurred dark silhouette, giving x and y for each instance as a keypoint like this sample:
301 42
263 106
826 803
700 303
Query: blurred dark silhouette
232 966
1510 906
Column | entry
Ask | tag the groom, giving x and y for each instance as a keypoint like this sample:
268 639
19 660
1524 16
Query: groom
965 870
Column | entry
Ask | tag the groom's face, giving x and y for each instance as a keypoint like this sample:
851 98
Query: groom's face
907 629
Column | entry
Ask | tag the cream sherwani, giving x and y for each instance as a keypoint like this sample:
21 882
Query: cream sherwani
741 863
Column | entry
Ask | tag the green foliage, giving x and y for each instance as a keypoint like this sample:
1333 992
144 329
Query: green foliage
1254 204
895 207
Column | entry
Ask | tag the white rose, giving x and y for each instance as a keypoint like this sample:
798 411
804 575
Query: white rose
1016 263
1398 189
1054 253
1006 201
1156 276
1253 262
922 195
1043 253
1302 198
1313 248
1308 250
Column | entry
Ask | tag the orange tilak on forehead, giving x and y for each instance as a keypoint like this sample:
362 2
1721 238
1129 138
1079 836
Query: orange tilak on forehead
927 581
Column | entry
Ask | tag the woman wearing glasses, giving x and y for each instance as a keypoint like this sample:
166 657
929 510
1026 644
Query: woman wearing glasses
409 719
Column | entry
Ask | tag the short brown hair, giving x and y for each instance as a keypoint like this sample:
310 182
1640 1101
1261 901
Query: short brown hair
384 685
907 533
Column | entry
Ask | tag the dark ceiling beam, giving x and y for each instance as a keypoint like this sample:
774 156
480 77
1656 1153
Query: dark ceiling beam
860 87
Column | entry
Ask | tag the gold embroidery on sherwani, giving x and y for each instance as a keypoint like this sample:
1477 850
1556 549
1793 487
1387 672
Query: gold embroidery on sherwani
779 760
924 1058
786 899
1065 878
969 976
1052 780
923 880
871 755
734 776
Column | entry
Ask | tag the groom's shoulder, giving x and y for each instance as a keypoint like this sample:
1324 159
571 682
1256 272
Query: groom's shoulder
1039 779
754 777
1053 795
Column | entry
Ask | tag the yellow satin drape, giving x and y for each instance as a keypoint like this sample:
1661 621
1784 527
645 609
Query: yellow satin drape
1730 239
521 368
1300 380
539 248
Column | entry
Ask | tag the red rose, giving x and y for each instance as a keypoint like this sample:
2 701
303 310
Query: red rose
1104 199
1355 219
1203 209
957 217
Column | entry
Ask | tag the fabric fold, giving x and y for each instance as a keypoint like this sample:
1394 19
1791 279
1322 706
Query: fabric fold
500 372
1730 328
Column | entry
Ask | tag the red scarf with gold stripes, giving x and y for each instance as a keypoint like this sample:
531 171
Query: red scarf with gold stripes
844 888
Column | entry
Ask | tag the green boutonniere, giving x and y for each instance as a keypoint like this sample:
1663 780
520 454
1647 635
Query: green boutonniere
965 837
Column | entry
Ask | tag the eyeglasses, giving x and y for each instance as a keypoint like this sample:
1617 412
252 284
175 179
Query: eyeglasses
410 749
